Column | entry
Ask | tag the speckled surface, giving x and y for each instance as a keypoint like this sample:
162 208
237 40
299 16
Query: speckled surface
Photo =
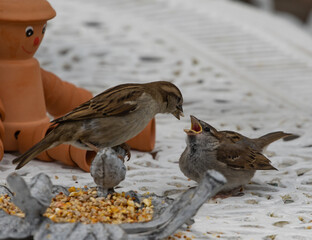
238 69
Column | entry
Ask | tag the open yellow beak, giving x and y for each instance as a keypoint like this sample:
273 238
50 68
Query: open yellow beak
196 128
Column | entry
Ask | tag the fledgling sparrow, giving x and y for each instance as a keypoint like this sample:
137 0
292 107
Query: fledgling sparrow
110 118
235 156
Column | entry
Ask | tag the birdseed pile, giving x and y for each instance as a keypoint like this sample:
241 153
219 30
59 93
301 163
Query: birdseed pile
86 207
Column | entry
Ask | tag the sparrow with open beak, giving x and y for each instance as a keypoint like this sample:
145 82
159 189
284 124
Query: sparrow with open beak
110 118
235 156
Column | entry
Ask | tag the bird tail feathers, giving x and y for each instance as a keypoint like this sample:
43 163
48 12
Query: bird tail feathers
267 139
48 142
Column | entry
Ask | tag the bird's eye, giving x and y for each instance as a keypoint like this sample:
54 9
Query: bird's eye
44 28
179 107
207 129
29 31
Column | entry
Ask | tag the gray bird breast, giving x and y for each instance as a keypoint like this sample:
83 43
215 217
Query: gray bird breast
194 164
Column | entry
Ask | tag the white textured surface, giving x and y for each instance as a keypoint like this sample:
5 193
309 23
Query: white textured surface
238 69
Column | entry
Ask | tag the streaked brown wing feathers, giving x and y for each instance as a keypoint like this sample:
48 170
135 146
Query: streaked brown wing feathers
240 157
117 101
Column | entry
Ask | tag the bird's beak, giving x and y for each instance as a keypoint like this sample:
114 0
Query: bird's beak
178 112
196 127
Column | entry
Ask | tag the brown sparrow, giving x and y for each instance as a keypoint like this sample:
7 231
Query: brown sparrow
110 118
235 156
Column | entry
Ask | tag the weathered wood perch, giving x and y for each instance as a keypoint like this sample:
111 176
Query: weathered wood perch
35 197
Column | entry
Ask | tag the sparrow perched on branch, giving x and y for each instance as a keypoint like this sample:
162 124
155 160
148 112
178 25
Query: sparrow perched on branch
110 118
235 156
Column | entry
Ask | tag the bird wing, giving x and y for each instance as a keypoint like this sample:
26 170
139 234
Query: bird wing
241 157
117 101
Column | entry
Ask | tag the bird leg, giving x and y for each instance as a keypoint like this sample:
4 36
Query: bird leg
91 146
104 192
236 192
126 148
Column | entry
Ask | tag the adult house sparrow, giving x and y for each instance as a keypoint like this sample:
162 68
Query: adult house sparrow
235 156
110 118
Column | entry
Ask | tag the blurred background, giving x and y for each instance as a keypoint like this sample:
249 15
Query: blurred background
297 11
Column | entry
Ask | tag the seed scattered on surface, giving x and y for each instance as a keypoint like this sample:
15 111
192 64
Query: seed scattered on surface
178 235
85 206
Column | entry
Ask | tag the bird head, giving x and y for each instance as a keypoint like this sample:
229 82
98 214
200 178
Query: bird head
172 98
201 132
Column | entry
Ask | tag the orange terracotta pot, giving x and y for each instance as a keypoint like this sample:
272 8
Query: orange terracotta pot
1 149
61 153
145 141
2 116
82 158
27 92
61 97
22 98
22 26
32 135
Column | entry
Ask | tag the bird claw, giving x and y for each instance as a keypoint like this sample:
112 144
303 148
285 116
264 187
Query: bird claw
128 153
122 154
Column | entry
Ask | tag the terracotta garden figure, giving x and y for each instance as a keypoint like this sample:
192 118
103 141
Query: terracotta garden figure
28 92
